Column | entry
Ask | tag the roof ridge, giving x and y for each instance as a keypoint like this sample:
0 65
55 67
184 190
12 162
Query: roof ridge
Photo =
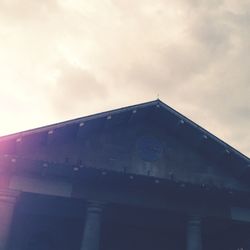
118 110
203 130
78 119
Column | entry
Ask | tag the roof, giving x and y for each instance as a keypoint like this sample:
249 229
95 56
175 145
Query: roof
197 130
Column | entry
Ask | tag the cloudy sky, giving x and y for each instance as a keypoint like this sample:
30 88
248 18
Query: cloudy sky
61 59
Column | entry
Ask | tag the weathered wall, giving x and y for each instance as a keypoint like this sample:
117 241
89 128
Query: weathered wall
139 148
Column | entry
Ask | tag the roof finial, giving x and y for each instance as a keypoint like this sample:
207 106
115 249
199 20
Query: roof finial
158 96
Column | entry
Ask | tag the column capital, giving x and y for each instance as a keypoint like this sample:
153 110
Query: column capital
194 236
194 219
95 206
8 195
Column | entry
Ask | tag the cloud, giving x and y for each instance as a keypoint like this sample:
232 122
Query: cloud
73 87
23 9
69 58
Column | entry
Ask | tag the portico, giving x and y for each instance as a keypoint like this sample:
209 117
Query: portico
141 177
62 225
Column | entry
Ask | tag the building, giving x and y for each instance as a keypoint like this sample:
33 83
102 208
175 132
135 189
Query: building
140 177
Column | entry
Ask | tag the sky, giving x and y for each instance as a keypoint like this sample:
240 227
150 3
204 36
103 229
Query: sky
62 59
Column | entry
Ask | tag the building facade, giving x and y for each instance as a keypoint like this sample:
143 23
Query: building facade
140 177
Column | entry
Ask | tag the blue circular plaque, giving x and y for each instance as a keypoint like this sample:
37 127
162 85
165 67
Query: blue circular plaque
149 148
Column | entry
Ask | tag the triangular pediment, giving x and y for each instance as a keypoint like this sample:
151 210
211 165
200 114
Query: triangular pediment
149 139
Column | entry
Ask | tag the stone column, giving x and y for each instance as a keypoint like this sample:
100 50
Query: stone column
7 204
91 234
194 239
